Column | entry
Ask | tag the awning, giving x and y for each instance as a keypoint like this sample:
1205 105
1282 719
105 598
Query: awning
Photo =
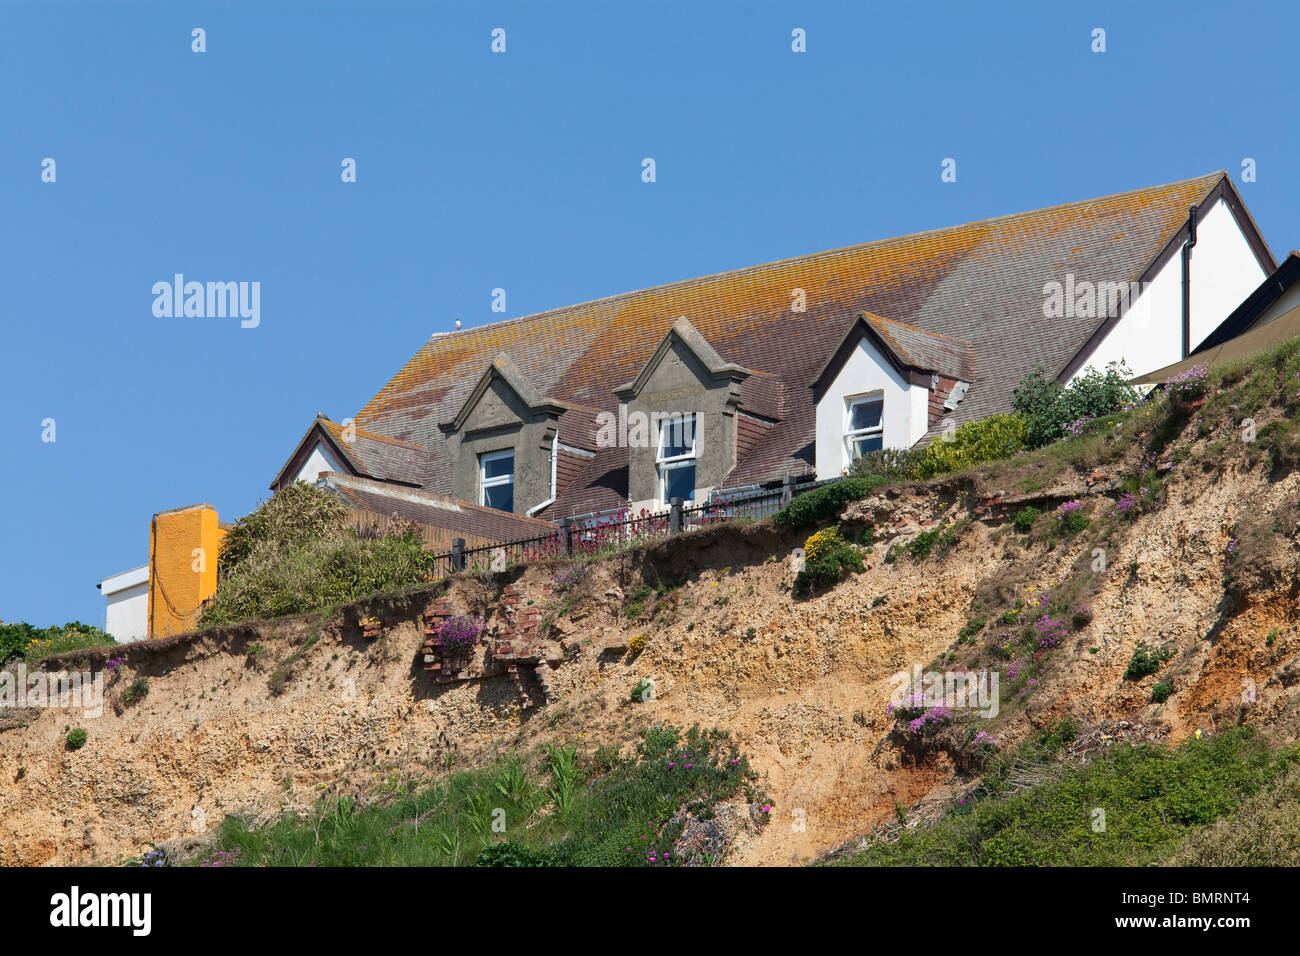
1285 326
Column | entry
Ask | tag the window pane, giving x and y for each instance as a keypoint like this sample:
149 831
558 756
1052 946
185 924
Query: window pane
500 496
863 445
676 436
865 414
679 483
498 467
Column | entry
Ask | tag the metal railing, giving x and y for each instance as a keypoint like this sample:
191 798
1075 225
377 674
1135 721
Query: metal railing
604 531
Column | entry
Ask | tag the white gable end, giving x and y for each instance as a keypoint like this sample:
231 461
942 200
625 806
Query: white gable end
320 460
866 372
1224 271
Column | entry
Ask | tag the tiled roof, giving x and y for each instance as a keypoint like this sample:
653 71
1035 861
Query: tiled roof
379 456
926 350
436 511
981 283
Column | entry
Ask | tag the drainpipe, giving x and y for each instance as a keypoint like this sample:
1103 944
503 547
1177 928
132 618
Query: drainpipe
1187 281
555 453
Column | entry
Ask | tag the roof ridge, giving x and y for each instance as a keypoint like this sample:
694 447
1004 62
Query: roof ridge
811 256
416 495
376 436
917 328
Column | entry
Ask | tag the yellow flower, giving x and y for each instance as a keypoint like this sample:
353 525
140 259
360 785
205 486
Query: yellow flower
818 544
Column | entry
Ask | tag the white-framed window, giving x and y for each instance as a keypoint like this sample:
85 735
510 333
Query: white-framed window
496 480
675 458
864 424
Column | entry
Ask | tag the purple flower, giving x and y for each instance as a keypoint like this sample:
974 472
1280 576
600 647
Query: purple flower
567 579
1049 632
1076 428
460 633
931 721
1189 383
912 706
1066 508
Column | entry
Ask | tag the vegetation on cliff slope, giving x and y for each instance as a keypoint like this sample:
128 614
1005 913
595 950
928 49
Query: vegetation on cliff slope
1131 806
594 809
296 553
18 639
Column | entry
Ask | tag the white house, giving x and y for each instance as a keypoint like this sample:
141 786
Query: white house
127 594
1137 278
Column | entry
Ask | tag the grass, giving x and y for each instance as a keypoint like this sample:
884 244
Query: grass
1153 800
568 809
279 678
1264 832
136 692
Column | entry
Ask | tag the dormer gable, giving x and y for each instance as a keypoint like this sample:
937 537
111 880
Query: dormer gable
681 352
501 397
503 441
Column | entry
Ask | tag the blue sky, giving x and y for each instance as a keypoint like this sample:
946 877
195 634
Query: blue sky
519 170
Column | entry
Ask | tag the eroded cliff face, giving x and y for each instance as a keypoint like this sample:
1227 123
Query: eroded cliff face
265 717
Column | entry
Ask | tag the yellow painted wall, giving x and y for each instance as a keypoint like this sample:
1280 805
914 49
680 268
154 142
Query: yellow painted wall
183 547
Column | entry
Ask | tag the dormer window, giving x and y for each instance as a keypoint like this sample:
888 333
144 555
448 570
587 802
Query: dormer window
496 480
676 458
864 429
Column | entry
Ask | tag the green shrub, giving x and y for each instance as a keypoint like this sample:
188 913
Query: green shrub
971 628
643 691
998 436
510 853
893 464
1072 522
1050 408
1146 661
295 553
826 502
827 558
14 638
291 518
1160 692
1265 831
937 541
76 738
1025 518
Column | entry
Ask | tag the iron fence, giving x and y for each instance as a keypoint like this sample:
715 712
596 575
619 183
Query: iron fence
601 532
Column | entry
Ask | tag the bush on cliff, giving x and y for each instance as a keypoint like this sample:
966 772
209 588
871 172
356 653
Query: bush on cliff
824 503
295 553
987 439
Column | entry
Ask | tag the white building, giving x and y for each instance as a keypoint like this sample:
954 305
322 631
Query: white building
1143 278
127 594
